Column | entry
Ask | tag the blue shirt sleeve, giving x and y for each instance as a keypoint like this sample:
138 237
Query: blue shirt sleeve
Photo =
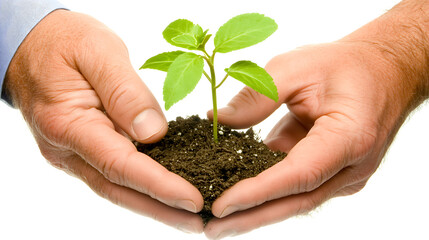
17 19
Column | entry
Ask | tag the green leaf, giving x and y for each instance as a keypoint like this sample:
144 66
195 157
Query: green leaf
182 77
161 61
185 34
243 31
200 35
255 77
185 40
205 40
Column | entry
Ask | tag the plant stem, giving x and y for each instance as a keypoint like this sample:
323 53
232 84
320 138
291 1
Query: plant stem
214 98
214 113
210 61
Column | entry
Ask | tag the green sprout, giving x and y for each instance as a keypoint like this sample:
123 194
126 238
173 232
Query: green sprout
185 69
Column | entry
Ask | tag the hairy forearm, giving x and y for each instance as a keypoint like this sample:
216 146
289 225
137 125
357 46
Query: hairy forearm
411 41
401 40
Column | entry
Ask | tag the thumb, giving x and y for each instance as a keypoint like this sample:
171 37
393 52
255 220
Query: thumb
246 109
126 99
249 107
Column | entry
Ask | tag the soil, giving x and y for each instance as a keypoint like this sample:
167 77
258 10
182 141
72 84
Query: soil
188 150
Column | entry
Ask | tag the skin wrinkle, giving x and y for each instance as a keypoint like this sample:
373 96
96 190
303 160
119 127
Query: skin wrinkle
49 121
118 91
304 120
64 88
249 96
307 94
114 169
312 179
54 156
312 203
363 142
337 165
349 190
111 169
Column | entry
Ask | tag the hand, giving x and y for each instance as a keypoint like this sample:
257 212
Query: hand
347 100
76 88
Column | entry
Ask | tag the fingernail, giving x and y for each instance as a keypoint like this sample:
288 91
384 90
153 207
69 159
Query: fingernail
147 123
187 205
228 210
227 233
187 228
228 110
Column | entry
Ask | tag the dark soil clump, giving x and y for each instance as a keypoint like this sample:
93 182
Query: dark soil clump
188 150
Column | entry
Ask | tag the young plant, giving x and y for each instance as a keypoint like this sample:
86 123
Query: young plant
185 69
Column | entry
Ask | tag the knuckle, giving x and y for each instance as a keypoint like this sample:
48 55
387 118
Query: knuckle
60 159
112 169
105 189
121 98
311 180
356 188
52 157
362 140
307 205
51 122
366 144
154 214
352 189
276 62
362 172
56 157
114 166
91 40
313 200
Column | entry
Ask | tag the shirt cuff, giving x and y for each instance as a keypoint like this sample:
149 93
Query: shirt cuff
17 19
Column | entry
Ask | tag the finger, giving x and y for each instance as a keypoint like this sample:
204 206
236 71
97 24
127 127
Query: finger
119 162
301 171
249 107
90 134
351 189
131 199
285 134
275 211
246 109
125 97
125 197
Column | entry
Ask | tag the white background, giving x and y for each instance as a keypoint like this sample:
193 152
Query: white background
38 201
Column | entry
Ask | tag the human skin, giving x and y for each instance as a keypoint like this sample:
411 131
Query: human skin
76 88
346 99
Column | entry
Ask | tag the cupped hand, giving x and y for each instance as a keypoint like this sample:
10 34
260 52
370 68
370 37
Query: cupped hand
346 104
76 88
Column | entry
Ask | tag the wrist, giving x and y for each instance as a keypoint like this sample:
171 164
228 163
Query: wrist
25 65
17 19
399 43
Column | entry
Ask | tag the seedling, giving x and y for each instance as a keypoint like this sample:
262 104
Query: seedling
185 69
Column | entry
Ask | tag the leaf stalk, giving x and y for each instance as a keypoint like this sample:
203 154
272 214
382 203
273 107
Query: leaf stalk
220 84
